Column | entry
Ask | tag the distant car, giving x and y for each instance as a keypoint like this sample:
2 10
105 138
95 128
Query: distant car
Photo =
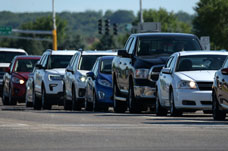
99 93
185 83
14 80
75 77
48 78
6 56
220 93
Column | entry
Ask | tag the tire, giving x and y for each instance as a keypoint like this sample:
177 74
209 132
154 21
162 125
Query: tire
159 110
12 100
45 104
133 105
5 99
119 106
76 104
88 105
66 103
27 104
218 115
96 105
36 102
173 110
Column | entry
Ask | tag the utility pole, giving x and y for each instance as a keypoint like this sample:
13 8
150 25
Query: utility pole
141 12
54 33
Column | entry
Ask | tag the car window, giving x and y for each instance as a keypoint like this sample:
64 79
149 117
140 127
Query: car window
128 44
58 61
87 61
155 46
25 65
95 69
169 62
200 62
7 57
106 66
226 64
130 51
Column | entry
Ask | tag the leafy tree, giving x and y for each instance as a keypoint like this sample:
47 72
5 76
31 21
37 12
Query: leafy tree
212 20
106 42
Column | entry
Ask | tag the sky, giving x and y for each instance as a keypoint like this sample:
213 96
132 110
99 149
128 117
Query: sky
97 5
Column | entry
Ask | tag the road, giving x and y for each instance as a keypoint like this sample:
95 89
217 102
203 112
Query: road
23 129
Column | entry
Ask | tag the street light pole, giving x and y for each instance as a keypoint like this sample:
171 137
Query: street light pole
54 33
141 12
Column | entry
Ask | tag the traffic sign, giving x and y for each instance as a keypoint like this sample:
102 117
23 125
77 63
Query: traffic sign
5 30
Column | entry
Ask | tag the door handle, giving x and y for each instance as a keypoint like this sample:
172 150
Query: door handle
125 64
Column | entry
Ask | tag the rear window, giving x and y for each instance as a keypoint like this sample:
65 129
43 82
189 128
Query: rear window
7 57
153 46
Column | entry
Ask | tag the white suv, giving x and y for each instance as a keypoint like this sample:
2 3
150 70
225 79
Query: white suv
6 56
75 77
48 78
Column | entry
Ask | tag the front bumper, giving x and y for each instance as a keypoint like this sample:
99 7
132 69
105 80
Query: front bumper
144 92
193 99
105 95
80 90
18 92
54 87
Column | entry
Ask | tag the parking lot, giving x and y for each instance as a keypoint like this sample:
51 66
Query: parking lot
25 129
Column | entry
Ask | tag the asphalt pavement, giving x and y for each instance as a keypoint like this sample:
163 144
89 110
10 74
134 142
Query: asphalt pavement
23 129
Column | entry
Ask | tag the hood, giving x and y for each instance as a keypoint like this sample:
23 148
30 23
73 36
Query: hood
25 75
149 61
4 65
197 75
106 77
60 71
83 72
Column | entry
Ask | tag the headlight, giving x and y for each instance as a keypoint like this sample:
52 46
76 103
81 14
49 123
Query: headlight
187 85
55 77
17 80
141 73
104 83
82 79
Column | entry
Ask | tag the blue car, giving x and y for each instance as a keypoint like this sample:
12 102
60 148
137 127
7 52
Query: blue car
99 95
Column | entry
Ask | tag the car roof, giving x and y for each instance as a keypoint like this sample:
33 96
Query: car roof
202 52
162 34
63 52
12 49
90 52
28 57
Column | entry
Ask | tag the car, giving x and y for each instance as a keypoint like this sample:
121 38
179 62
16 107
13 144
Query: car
6 56
220 93
14 80
99 93
136 68
185 82
48 78
75 77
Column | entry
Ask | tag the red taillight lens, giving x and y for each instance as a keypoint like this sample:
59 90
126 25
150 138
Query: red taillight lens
224 71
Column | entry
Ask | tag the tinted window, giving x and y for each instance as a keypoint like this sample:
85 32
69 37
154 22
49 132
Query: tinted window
87 61
106 66
225 64
25 65
153 46
7 57
200 62
58 61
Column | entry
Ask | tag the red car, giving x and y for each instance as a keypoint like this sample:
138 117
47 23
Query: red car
14 80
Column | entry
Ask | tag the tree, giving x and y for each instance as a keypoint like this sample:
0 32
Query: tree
212 20
107 42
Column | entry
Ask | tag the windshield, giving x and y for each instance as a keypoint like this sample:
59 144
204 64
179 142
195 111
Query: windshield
7 57
148 46
106 66
25 65
58 61
87 62
200 62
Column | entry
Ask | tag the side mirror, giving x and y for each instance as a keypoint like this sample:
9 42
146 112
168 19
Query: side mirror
166 70
7 69
39 66
90 74
69 70
122 53
224 71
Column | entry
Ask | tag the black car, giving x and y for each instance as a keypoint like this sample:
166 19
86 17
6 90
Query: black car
136 68
220 93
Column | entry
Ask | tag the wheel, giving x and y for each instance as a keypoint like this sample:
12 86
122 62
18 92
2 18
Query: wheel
66 103
76 104
36 101
88 105
134 106
159 110
119 106
173 110
12 100
5 99
218 115
45 104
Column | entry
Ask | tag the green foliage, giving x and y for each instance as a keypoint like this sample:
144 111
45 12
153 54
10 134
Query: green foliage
212 20
106 42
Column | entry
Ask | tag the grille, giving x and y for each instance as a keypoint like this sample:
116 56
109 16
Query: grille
1 75
205 86
154 72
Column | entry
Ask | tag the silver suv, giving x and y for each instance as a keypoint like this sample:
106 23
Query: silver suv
48 78
75 77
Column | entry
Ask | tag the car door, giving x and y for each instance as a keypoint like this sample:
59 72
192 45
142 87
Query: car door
223 86
166 80
7 77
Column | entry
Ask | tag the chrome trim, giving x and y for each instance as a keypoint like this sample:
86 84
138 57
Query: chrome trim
153 73
120 98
